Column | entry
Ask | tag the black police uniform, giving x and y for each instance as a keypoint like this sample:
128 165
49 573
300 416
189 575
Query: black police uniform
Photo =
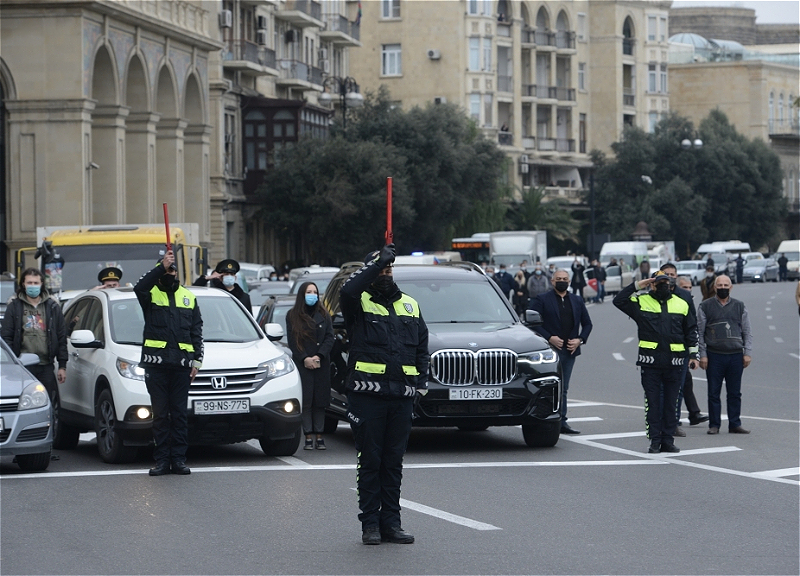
228 266
388 361
173 345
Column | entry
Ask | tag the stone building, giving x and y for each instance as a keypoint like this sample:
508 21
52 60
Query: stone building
548 80
737 24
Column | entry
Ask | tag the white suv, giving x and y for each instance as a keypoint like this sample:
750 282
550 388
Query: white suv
247 388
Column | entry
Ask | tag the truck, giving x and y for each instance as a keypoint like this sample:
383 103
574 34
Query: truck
511 248
660 252
70 257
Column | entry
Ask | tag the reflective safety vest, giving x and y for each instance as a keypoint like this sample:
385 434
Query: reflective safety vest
661 335
162 327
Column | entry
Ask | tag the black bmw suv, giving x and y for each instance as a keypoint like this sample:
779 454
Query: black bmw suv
488 368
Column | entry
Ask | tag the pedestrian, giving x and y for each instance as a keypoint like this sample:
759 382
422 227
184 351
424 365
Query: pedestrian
505 281
666 333
33 323
309 333
783 269
386 367
538 283
566 326
224 278
172 354
578 279
600 277
643 271
109 278
739 268
726 347
710 262
682 287
520 297
707 284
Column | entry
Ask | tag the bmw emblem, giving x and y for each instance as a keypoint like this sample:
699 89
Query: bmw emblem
473 344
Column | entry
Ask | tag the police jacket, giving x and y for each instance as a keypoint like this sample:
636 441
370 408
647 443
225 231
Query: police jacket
236 291
11 330
388 338
173 327
666 329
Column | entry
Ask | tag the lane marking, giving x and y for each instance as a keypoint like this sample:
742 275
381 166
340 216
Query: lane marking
628 340
579 404
780 473
716 450
768 309
794 355
724 416
586 419
772 327
769 317
612 436
778 340
455 519
618 356
294 462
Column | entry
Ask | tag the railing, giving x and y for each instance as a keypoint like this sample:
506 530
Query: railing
504 29
313 9
546 144
178 12
539 37
565 39
567 94
565 145
627 46
505 138
338 23
294 69
528 142
505 83
787 127
582 147
628 97
249 51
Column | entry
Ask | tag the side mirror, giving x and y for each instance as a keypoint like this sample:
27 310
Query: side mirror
84 339
533 318
274 331
29 359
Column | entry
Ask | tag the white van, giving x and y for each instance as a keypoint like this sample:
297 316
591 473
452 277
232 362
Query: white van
790 249
633 253
729 246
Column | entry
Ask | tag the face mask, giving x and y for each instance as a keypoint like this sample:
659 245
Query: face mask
383 283
311 299
662 291
169 281
33 291
538 272
709 274
562 286
228 280
723 293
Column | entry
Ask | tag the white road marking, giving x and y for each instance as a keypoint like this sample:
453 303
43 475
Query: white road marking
469 523
627 340
769 317
618 356
779 473
715 450
587 419
779 340
295 462
794 355
768 309
772 327
579 404
612 436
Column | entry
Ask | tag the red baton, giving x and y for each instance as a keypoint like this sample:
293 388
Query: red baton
389 234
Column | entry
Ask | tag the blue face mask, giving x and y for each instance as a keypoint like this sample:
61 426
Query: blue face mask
33 291
311 299
228 280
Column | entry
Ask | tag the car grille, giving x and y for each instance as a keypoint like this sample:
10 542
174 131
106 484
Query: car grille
509 407
239 381
4 435
9 405
32 434
492 367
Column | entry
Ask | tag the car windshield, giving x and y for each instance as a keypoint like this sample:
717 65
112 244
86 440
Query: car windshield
448 302
762 263
223 321
5 356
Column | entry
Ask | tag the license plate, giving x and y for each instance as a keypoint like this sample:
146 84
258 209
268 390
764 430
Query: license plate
233 406
476 393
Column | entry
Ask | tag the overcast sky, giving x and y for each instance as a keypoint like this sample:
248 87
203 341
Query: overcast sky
767 11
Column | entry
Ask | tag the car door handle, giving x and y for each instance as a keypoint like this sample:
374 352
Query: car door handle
74 354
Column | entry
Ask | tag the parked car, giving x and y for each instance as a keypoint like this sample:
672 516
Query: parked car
695 270
255 275
321 279
760 270
297 275
247 387
616 280
273 311
8 287
488 368
25 412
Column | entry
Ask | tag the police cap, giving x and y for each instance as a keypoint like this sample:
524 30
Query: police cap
110 273
660 276
227 266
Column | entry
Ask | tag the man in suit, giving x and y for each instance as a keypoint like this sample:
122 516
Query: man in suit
566 326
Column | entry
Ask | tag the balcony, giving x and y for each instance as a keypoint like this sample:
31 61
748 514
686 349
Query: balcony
249 58
301 13
505 138
504 29
627 46
340 31
565 145
529 142
628 96
299 75
784 127
546 144
539 37
565 40
537 91
565 94
505 83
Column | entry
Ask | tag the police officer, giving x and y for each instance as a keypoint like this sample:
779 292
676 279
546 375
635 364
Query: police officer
171 356
224 278
109 278
666 331
388 362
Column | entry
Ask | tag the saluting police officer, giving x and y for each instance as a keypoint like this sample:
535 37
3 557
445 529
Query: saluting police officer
171 356
109 278
224 278
388 362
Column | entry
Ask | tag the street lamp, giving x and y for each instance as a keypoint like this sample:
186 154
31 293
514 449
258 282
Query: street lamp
347 89
686 143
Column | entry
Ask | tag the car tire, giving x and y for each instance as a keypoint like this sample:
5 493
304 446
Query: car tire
474 428
331 424
280 447
65 437
541 435
109 443
34 462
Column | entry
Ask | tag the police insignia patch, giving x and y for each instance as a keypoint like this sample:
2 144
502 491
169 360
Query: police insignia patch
185 301
409 308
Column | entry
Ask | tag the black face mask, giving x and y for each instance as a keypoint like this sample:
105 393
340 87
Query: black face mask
723 293
169 282
562 286
662 291
383 284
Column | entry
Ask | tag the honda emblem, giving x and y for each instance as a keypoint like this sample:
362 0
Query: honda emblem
219 382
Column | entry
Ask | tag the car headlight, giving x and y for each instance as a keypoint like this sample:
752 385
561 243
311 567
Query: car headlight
544 357
277 366
33 396
130 370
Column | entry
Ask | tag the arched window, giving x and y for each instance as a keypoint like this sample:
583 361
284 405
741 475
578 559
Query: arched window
627 37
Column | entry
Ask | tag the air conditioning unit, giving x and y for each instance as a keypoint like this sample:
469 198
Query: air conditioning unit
326 66
262 23
290 36
225 19
323 53
524 159
440 100
523 168
262 36
434 54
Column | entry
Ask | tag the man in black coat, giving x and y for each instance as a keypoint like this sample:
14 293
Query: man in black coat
224 278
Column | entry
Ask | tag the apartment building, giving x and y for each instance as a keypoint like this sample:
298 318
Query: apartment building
112 107
549 80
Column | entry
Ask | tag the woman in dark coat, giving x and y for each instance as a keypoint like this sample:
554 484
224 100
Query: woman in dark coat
310 335
578 280
521 295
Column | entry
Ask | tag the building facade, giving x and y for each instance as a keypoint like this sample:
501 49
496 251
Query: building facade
549 81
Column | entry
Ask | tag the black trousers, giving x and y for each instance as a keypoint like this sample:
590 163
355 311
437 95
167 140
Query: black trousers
169 393
661 417
316 386
45 373
381 436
